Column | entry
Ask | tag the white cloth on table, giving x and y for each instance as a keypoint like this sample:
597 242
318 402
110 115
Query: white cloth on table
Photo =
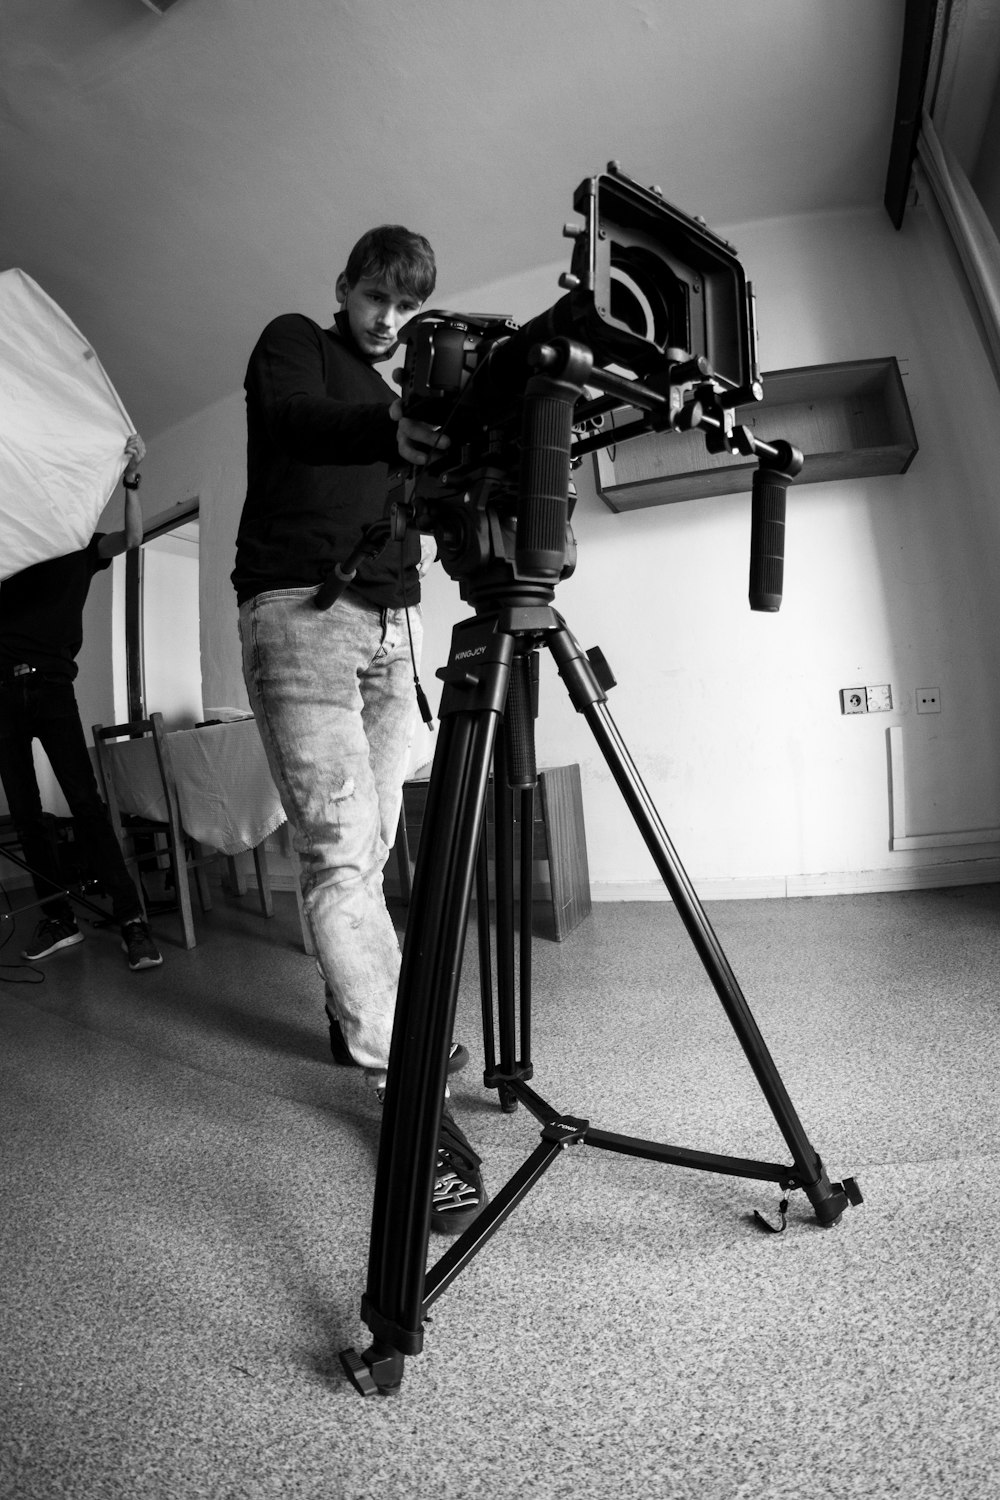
224 789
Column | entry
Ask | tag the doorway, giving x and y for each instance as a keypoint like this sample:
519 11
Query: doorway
162 620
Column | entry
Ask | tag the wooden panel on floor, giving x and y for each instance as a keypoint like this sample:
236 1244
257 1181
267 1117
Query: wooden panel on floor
560 838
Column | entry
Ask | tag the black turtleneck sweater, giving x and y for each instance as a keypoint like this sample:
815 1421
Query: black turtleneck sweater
320 447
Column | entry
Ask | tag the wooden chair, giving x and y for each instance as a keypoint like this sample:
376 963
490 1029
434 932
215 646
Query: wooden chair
185 855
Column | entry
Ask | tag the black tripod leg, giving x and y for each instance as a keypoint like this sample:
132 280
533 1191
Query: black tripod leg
471 708
519 724
514 778
503 874
828 1201
486 969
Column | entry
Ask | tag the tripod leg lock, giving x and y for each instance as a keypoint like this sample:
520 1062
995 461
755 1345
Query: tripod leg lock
851 1191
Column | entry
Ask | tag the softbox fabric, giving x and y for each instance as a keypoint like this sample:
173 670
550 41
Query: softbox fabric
62 429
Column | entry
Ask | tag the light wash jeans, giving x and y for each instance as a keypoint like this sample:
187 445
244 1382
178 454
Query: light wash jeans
332 692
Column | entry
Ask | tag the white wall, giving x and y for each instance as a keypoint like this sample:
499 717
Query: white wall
171 646
205 458
733 719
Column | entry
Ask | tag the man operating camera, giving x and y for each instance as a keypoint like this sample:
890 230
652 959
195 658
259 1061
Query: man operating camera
333 689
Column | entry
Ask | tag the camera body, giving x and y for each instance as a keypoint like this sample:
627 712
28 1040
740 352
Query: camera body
443 351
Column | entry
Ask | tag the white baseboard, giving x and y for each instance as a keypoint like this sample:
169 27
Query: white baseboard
738 888
766 887
828 883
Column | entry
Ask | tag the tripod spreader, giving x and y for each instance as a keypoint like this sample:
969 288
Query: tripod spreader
70 895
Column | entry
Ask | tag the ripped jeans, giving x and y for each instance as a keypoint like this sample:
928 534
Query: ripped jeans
332 693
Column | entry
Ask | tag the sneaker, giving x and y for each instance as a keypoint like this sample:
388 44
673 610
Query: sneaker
380 1093
137 943
339 1048
459 1194
457 1058
51 934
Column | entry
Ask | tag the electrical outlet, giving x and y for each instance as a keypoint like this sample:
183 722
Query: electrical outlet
854 700
879 698
928 700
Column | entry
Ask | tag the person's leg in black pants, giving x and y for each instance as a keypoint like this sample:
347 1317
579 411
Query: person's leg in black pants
44 708
56 723
17 772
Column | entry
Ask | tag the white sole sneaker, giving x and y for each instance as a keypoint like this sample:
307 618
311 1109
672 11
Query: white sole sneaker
69 941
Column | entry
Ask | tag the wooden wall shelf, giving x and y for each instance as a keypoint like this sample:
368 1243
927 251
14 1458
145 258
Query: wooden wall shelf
850 421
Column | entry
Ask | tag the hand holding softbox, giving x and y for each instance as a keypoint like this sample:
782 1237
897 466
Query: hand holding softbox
62 429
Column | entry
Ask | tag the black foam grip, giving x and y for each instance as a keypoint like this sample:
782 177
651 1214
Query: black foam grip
519 725
543 509
767 539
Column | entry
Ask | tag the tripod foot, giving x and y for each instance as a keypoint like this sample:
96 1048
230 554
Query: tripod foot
829 1200
377 1372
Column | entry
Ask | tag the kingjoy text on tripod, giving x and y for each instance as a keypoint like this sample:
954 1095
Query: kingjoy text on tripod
663 301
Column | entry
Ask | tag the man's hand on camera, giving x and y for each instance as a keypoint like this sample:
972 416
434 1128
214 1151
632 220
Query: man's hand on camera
418 442
428 554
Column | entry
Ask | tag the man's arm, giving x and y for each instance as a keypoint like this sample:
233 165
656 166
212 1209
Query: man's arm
286 386
115 542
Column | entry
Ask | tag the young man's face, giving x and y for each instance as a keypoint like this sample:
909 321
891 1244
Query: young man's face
375 313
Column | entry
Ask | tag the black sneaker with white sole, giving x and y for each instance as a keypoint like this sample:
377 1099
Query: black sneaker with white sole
137 942
457 1058
459 1194
51 934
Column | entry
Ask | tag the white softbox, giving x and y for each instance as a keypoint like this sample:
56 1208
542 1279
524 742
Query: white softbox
62 429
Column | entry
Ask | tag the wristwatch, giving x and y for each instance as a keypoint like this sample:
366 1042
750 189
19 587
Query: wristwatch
133 483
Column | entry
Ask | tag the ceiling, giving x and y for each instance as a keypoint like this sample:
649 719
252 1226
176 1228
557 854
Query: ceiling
176 180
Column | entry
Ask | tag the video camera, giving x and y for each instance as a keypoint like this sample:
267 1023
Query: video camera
662 321
649 290
657 321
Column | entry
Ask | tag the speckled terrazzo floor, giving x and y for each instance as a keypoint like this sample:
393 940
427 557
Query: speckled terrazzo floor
186 1182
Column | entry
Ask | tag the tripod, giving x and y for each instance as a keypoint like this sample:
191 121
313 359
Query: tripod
77 896
490 678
